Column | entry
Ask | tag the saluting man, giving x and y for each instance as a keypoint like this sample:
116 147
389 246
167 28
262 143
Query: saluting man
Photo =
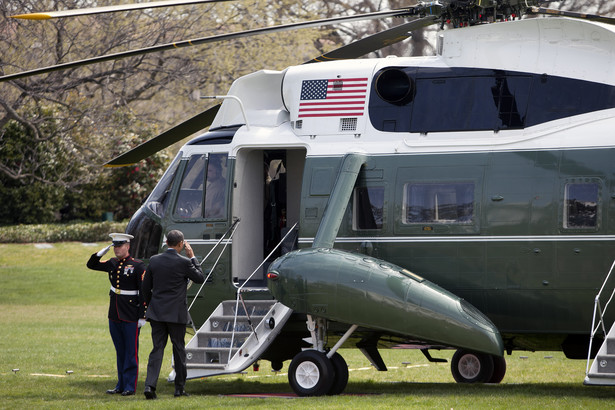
164 287
126 308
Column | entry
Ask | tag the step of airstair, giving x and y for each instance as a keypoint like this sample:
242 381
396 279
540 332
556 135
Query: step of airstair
602 371
229 343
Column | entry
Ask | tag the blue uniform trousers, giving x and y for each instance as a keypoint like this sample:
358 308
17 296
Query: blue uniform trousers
125 336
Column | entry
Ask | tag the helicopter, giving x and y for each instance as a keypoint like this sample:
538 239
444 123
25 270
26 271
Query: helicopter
458 201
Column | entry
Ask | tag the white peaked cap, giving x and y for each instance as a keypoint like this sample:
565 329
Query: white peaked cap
121 237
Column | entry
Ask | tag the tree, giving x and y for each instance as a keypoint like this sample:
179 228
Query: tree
57 129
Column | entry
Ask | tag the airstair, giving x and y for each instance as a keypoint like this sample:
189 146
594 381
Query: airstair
235 336
238 332
602 371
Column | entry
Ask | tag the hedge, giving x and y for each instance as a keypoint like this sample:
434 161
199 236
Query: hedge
71 232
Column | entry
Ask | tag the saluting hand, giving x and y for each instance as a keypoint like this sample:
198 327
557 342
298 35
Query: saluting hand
102 252
189 251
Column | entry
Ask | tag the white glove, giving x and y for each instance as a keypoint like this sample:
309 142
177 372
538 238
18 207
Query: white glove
141 322
101 252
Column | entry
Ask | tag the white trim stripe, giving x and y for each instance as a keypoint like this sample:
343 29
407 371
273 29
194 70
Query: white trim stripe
469 238
208 241
430 238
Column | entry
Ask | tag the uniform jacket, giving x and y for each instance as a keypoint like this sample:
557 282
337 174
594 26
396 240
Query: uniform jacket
164 286
124 274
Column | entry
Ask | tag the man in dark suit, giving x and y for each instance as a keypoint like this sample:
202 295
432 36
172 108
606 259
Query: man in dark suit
164 287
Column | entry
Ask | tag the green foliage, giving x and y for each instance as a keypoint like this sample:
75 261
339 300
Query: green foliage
25 191
57 130
54 181
33 203
78 232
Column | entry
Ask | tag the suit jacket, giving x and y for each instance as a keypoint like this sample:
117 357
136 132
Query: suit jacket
164 286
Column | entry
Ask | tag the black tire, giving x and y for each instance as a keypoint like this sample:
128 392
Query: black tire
341 374
499 369
471 367
311 373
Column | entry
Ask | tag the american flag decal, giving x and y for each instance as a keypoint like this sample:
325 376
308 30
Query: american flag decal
333 98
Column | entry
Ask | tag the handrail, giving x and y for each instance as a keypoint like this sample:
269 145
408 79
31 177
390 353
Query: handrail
244 283
600 313
267 258
233 227
235 222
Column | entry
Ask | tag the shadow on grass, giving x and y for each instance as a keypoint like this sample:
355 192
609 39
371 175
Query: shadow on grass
502 391
492 391
83 391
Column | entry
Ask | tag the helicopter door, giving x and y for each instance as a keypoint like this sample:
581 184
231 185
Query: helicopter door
266 197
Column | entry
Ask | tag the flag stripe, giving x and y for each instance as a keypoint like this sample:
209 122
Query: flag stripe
329 109
348 114
335 103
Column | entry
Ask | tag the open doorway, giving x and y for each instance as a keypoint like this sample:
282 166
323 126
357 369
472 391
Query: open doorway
266 196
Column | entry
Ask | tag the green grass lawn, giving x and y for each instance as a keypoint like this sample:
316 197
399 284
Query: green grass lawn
53 321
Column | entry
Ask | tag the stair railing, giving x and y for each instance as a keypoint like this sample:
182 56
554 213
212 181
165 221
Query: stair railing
232 230
240 289
600 313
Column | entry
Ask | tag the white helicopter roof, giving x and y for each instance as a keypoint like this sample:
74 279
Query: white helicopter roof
563 47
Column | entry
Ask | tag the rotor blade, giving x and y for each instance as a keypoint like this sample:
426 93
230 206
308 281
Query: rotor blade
375 42
205 40
590 17
109 9
167 138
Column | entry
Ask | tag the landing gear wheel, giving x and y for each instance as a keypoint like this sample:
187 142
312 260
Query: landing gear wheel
341 374
311 373
471 367
499 369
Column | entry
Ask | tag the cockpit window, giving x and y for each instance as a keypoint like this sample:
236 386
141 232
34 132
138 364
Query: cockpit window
215 192
160 196
190 199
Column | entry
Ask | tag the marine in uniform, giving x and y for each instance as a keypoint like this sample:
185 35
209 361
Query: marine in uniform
126 308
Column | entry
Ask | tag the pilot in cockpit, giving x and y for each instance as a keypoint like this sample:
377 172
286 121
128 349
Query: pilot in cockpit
215 191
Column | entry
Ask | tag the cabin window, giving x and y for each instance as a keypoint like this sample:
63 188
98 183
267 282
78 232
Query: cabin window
473 99
581 205
215 192
160 196
470 103
445 203
190 199
368 208
461 104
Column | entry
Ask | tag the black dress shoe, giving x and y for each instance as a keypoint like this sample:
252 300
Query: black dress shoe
128 393
150 393
114 391
179 393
